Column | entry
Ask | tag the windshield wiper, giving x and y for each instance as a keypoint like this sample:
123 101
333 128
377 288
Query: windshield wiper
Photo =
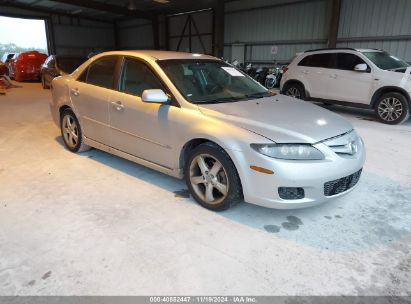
397 69
221 99
237 98
258 95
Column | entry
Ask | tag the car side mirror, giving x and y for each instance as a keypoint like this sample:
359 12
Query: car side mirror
362 67
155 96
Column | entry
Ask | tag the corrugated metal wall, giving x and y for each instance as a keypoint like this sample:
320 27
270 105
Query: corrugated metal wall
291 26
80 37
201 24
135 34
383 24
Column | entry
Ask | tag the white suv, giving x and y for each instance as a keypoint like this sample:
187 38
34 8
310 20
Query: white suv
365 78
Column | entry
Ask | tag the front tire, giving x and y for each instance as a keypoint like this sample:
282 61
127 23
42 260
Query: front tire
212 178
71 132
295 90
392 108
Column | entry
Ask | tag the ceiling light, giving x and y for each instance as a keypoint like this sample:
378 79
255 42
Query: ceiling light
77 11
162 1
132 6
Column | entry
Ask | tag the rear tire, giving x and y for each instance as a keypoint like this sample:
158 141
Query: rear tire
295 90
212 177
392 108
43 83
71 132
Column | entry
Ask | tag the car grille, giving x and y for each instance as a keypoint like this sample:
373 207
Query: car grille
341 185
345 145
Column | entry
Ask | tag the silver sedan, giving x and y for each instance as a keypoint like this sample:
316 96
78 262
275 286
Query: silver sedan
195 117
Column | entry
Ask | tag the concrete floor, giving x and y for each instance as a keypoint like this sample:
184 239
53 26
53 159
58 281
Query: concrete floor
95 224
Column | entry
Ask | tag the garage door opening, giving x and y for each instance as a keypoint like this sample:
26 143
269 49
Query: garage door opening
20 35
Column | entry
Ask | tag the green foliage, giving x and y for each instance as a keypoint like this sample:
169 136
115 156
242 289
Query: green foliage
12 48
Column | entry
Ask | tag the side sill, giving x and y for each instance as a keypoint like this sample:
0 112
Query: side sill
341 103
177 173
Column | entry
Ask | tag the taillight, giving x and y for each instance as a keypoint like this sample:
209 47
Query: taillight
285 69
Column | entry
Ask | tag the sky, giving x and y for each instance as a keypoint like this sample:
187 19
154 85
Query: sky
23 32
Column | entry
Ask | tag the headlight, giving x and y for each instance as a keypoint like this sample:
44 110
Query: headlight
289 151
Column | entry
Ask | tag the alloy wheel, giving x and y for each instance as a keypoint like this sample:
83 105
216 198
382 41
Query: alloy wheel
390 109
293 92
209 179
70 131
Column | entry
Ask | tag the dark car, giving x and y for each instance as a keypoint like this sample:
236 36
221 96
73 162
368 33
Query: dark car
57 65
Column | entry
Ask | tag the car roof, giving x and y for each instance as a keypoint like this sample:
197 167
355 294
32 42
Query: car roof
159 55
336 50
370 50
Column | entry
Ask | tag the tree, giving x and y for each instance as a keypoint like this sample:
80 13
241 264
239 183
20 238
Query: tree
12 48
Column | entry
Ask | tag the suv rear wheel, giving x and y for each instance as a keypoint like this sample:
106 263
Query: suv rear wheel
392 108
295 90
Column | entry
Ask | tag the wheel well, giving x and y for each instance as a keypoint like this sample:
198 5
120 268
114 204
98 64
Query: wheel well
192 144
386 90
293 81
61 109
189 146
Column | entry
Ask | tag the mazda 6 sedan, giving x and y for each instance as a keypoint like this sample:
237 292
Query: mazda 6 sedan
195 117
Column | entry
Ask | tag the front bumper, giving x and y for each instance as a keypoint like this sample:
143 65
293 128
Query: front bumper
262 189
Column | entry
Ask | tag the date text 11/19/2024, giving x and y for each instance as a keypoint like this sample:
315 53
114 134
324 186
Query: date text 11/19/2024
203 299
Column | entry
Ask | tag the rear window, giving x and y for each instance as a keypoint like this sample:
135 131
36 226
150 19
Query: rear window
319 61
101 73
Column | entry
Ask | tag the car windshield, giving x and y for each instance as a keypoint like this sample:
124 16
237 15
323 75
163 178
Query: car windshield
386 61
69 64
211 81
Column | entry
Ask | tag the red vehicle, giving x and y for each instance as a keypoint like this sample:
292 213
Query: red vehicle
27 66
3 68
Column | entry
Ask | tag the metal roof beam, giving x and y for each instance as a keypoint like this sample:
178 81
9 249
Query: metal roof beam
50 11
105 7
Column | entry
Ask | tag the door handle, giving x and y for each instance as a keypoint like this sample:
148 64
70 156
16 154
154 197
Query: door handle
305 72
117 105
334 76
75 92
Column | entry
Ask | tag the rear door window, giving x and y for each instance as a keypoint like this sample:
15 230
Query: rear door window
102 72
319 61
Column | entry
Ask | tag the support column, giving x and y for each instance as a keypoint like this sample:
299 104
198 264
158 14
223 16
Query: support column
218 29
156 33
51 44
115 29
334 23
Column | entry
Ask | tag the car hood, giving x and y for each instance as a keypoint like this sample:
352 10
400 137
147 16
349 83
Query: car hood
281 119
